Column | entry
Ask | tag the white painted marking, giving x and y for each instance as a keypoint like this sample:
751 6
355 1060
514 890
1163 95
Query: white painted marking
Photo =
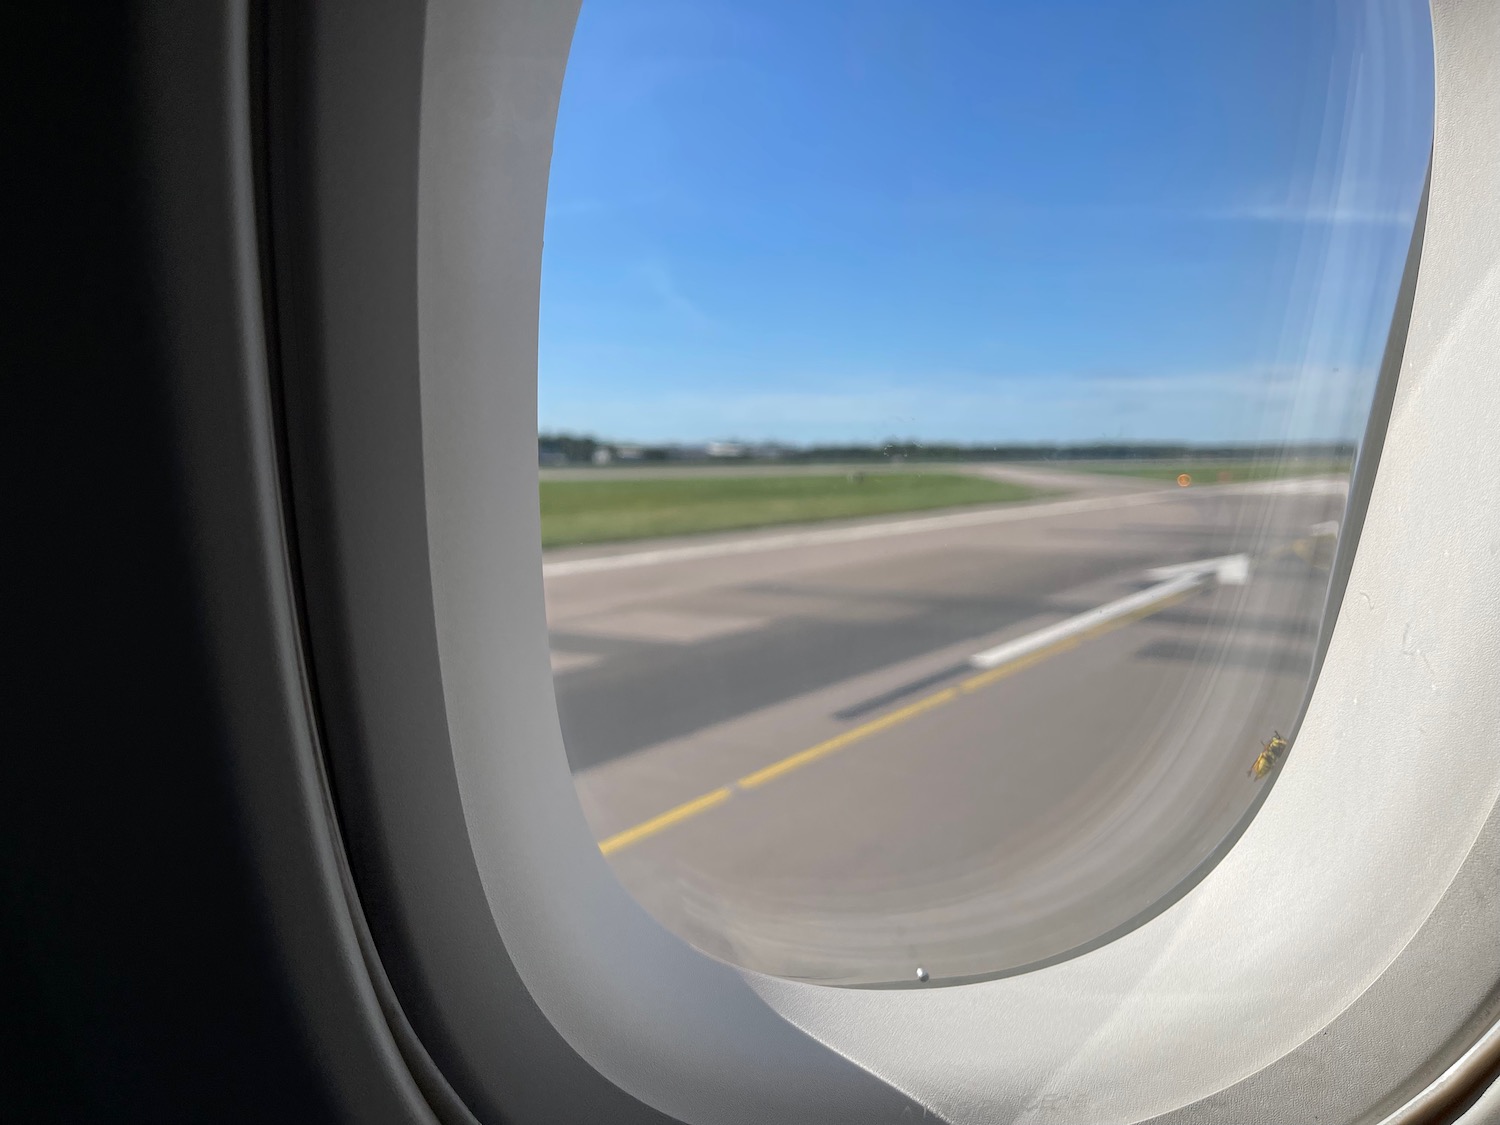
662 626
1328 527
1234 571
1089 619
1231 570
1299 486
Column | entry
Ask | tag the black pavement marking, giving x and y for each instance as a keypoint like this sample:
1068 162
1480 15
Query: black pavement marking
1281 661
658 693
885 698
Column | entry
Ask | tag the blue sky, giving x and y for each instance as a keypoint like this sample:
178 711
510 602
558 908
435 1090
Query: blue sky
979 220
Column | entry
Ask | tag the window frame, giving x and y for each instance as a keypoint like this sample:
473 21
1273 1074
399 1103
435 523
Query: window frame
368 398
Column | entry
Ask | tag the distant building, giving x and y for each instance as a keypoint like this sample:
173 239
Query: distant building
603 456
725 449
573 449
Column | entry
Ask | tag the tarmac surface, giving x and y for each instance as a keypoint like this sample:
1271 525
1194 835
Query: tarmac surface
794 754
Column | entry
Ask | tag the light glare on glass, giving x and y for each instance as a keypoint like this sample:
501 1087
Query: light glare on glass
947 416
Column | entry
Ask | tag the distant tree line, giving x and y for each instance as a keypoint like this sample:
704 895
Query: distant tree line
1087 451
579 449
567 447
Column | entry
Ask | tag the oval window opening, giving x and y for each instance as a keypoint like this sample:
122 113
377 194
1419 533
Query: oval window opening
946 420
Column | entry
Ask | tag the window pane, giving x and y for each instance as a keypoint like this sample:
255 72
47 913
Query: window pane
947 412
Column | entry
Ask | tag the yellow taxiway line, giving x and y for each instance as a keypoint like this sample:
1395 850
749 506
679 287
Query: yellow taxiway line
838 742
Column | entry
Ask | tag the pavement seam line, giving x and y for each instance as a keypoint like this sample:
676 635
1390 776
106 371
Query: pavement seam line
874 726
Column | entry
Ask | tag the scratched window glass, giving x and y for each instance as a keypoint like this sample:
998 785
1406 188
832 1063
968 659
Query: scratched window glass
947 413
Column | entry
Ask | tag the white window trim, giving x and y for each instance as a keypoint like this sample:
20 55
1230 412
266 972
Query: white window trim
1369 855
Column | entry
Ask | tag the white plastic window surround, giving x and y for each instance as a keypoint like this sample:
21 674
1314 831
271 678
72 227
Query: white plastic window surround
1353 926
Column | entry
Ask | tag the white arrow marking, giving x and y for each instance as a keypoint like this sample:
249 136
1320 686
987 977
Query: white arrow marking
1091 619
1231 570
1179 580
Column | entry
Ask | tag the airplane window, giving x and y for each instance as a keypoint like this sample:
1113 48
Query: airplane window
946 420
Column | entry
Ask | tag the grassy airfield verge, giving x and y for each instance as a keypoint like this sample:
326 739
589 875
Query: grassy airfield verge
611 511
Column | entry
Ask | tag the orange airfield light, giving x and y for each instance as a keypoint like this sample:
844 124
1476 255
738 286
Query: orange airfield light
1183 480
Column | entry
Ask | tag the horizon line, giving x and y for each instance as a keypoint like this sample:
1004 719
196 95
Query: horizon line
907 443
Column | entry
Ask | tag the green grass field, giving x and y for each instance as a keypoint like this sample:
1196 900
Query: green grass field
1214 472
601 511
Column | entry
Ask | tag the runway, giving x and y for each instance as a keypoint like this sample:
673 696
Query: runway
847 751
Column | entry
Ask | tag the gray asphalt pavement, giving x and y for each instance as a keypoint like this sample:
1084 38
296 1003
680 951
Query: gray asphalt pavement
788 757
